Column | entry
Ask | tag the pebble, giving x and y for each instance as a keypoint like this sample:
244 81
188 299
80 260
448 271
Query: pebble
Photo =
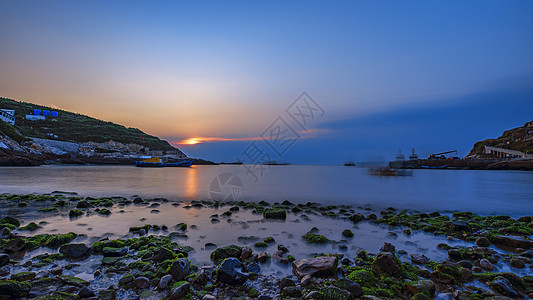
142 282
517 263
165 280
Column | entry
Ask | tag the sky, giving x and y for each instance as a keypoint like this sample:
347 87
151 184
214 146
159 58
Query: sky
214 77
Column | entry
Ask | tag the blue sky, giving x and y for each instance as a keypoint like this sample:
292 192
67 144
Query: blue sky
389 75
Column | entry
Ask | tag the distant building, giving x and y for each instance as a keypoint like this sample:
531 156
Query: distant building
8 116
35 117
504 153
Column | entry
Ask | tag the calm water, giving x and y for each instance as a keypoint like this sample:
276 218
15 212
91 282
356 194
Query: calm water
485 192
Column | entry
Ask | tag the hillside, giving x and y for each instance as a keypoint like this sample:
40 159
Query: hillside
73 127
520 139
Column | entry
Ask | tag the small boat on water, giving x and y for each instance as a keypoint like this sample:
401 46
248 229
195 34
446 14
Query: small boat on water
158 162
387 171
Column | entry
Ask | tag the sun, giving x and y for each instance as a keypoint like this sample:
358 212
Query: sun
191 141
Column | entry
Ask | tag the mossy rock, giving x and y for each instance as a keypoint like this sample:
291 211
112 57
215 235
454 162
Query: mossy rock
15 289
347 233
314 238
48 209
83 204
23 276
278 214
75 213
30 227
261 245
218 255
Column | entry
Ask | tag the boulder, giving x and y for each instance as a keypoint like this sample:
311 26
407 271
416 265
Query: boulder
220 254
179 269
15 245
345 284
14 289
4 259
292 291
504 287
178 291
23 276
142 282
517 263
512 241
74 250
115 252
486 264
108 294
388 247
162 254
388 263
165 280
85 292
318 266
229 272
419 259
126 279
482 242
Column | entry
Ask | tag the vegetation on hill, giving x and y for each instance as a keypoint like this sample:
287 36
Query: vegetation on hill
9 131
74 127
520 139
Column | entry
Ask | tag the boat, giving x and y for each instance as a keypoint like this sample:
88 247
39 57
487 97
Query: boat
434 167
387 171
158 162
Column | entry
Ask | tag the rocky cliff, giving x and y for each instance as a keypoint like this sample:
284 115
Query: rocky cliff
519 139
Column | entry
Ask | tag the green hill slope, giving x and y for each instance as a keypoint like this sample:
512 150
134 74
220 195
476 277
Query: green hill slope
520 139
77 127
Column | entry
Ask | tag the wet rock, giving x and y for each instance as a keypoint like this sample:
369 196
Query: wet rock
74 250
466 275
23 276
346 261
74 281
246 252
517 263
454 254
165 280
512 241
209 297
229 272
4 259
253 268
142 282
419 259
357 218
314 295
262 257
286 281
86 292
504 287
387 263
220 254
115 252
486 264
465 264
142 232
178 292
283 248
458 225
126 279
278 256
355 289
14 289
388 247
56 271
162 254
15 245
318 266
210 246
527 253
97 273
305 280
107 295
347 233
440 277
292 291
482 242
5 270
333 292
422 286
179 269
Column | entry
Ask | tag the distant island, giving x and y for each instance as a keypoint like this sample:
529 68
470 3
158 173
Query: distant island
32 134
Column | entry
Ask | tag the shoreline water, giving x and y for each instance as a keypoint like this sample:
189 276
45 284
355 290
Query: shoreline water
210 226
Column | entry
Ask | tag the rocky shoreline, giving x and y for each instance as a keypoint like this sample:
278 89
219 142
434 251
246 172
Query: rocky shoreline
487 256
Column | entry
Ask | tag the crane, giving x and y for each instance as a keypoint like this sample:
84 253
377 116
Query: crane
441 155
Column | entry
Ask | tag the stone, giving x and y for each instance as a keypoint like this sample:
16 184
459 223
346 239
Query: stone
4 259
229 272
246 252
142 282
458 225
305 280
485 264
419 259
262 257
283 249
517 263
333 292
107 295
162 254
512 241
314 295
278 256
177 293
316 267
346 261
165 280
23 276
126 279
74 250
482 242
56 271
504 287
180 269
253 268
292 291
387 263
5 270
345 284
14 289
15 245
465 264
466 274
115 252
357 218
286 281
209 297
423 286
439 277
388 247
85 292
220 254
